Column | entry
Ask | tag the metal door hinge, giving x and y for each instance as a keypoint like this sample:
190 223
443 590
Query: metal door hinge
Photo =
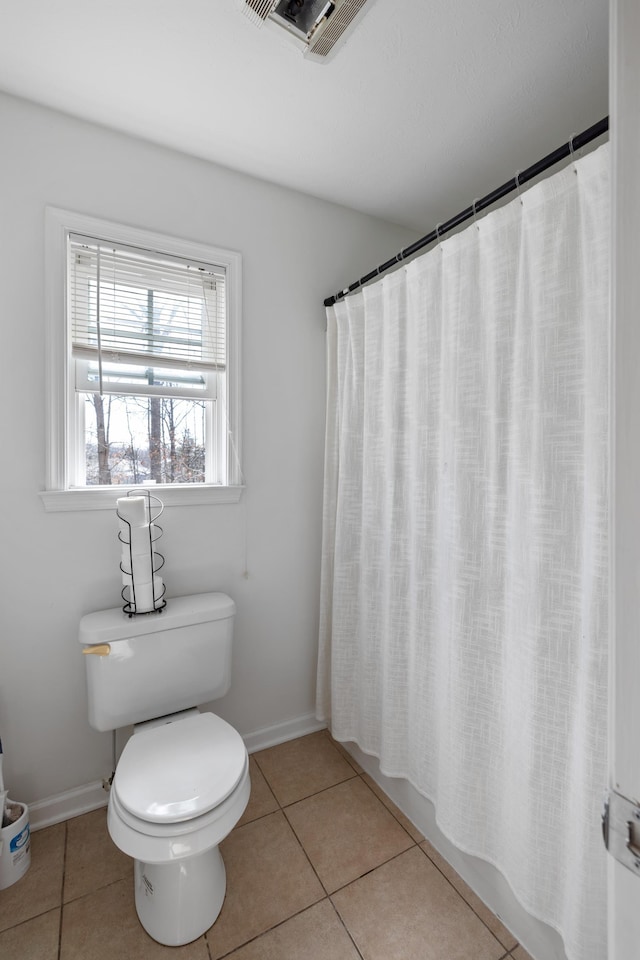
621 830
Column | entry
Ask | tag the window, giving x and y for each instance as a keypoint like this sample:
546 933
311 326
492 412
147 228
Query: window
149 366
143 365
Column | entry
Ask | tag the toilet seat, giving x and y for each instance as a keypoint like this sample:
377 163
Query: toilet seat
179 770
197 763
167 842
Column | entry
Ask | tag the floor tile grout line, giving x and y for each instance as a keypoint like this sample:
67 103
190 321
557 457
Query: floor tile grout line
328 894
282 811
508 950
463 898
307 796
94 890
36 916
206 941
473 910
354 773
284 808
280 923
362 773
62 882
302 846
317 793
373 869
265 778
418 843
389 810
343 752
346 928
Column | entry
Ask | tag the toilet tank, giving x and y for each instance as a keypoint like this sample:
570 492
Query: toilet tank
153 664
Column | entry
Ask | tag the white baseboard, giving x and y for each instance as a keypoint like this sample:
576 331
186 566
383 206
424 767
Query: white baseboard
91 796
64 806
281 732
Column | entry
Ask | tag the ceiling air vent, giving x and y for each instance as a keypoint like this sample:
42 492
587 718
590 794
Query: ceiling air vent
257 10
317 27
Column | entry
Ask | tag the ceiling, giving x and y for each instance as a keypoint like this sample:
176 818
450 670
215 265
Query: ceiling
428 105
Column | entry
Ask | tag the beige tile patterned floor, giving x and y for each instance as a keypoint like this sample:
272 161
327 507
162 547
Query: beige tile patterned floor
322 866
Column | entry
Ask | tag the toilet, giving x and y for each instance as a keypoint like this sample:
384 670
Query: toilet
182 781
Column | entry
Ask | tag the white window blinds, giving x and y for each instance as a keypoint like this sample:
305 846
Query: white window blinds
132 306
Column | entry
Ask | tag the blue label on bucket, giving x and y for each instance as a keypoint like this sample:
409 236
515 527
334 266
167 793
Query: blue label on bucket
20 840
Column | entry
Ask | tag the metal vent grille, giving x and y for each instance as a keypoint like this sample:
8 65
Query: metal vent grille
258 10
336 25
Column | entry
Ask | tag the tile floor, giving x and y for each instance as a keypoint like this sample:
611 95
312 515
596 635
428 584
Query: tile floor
321 866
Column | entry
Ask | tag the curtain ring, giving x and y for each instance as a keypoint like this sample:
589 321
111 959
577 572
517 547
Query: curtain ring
517 178
572 152
438 234
475 215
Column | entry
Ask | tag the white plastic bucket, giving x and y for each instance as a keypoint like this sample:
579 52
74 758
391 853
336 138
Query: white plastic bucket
15 847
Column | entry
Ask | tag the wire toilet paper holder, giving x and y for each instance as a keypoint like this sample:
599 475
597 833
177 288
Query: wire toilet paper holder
154 509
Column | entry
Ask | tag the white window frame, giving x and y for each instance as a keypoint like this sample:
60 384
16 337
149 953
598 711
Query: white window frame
59 494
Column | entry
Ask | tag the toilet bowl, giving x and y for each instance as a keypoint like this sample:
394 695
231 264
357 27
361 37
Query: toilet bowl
182 781
181 785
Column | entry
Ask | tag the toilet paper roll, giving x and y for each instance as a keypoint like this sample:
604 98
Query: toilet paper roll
139 563
127 581
142 570
133 510
144 595
136 561
140 541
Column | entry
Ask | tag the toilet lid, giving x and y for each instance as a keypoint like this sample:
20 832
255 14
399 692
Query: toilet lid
180 770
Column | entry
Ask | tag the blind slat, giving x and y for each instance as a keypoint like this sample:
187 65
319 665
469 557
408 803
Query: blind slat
139 359
150 307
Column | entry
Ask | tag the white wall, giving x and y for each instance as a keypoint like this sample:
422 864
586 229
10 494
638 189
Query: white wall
57 566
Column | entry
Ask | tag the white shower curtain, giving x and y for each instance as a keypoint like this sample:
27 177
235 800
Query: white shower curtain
463 635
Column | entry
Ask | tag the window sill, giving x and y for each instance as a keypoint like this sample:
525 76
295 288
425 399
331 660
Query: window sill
104 498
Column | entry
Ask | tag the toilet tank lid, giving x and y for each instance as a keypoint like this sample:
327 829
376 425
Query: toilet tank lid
114 624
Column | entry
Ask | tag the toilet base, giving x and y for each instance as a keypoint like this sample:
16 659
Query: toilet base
176 902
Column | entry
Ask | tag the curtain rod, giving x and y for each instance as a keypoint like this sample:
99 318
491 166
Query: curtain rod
566 150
